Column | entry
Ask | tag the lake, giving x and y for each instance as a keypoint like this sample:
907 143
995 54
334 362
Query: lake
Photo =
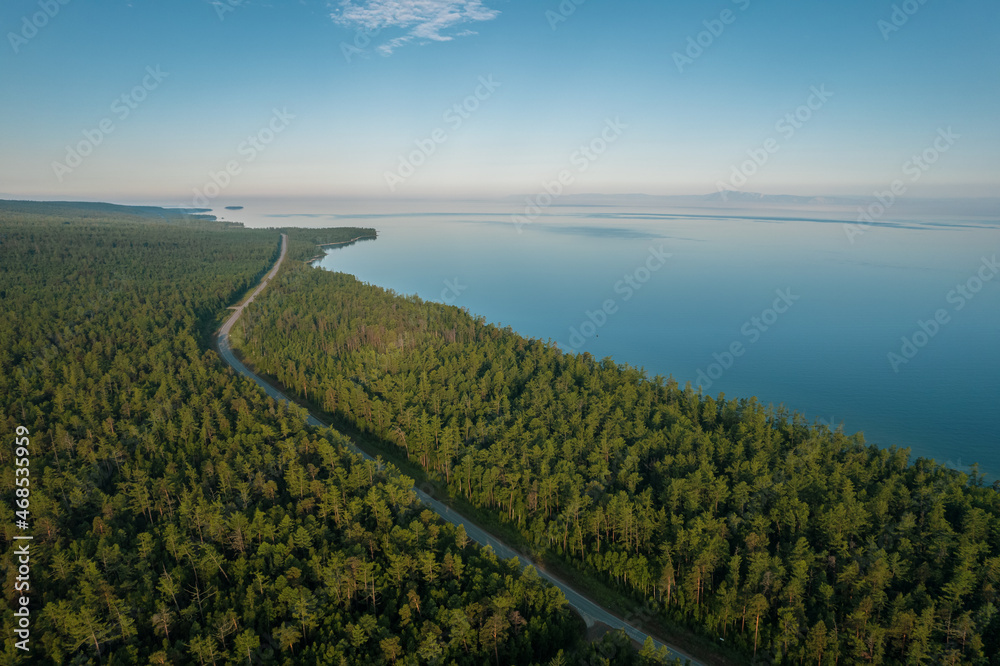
891 329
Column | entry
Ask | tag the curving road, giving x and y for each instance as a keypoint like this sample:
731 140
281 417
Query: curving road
590 610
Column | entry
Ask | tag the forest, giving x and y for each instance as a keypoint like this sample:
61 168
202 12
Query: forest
787 541
178 515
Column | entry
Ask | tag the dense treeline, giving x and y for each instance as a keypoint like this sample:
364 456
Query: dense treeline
791 542
181 516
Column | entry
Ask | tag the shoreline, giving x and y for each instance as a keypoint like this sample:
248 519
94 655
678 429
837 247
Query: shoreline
347 242
582 605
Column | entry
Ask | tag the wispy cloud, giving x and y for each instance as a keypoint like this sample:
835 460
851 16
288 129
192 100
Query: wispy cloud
426 20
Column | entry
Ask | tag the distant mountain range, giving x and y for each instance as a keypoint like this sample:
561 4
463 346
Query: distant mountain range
981 206
722 197
736 196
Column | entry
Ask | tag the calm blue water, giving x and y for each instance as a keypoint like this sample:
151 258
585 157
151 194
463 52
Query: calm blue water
811 316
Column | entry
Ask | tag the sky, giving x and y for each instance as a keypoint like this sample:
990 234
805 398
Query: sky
128 100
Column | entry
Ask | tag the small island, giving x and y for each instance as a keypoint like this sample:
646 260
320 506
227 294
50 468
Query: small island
234 207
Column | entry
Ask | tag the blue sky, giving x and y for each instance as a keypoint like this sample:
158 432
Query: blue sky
346 99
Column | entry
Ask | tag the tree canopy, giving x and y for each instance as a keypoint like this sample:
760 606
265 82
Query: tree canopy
179 515
789 541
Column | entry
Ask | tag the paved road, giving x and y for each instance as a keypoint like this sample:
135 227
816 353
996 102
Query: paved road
590 611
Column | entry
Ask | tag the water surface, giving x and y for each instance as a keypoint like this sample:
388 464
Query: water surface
812 316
